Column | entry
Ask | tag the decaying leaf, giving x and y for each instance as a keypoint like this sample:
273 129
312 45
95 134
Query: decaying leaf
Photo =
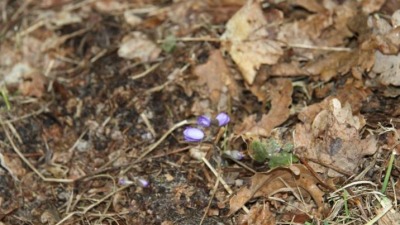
387 67
137 46
280 94
215 75
33 84
387 58
259 215
333 139
246 40
294 179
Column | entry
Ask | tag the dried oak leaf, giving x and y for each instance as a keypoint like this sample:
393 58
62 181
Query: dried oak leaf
33 84
137 46
246 40
280 94
387 68
370 6
333 139
216 77
341 63
387 58
294 179
259 215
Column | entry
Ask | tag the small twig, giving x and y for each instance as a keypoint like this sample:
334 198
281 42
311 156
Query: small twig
337 169
305 163
148 124
214 190
143 74
153 146
324 48
239 163
40 111
194 39
26 161
226 186
386 206
92 205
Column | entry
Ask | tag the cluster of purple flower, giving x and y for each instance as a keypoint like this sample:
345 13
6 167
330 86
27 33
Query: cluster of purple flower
193 134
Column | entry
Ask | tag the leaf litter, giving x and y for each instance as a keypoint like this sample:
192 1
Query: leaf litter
94 95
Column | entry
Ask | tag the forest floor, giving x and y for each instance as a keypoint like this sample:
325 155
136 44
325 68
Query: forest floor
199 112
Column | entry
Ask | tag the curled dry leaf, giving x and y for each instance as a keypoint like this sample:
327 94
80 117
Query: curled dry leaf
370 6
215 75
33 84
386 67
264 185
333 139
246 39
281 98
387 58
137 46
260 215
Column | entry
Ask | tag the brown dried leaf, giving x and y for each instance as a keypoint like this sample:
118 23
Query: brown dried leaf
215 75
281 98
260 215
246 40
386 67
341 63
288 69
108 6
312 6
13 165
137 46
370 6
333 139
33 84
263 185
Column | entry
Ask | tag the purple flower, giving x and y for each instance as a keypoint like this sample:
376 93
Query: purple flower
143 182
223 119
192 134
123 181
204 121
235 154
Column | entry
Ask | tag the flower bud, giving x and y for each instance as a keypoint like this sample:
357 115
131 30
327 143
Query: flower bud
143 182
192 134
223 119
204 121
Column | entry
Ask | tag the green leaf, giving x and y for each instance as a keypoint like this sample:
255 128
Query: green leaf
169 43
261 151
258 151
281 159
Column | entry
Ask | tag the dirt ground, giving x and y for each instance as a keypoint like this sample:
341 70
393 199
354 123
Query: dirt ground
199 112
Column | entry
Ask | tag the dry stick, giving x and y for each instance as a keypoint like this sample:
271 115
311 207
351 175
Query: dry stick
16 150
214 190
239 163
324 48
387 205
148 124
153 146
40 111
226 186
140 75
92 205
337 169
290 45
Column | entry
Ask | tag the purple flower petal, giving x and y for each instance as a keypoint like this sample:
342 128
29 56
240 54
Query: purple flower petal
204 121
192 134
123 181
236 154
223 119
143 182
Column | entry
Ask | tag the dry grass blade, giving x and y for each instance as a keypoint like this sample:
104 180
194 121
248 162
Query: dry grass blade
26 161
